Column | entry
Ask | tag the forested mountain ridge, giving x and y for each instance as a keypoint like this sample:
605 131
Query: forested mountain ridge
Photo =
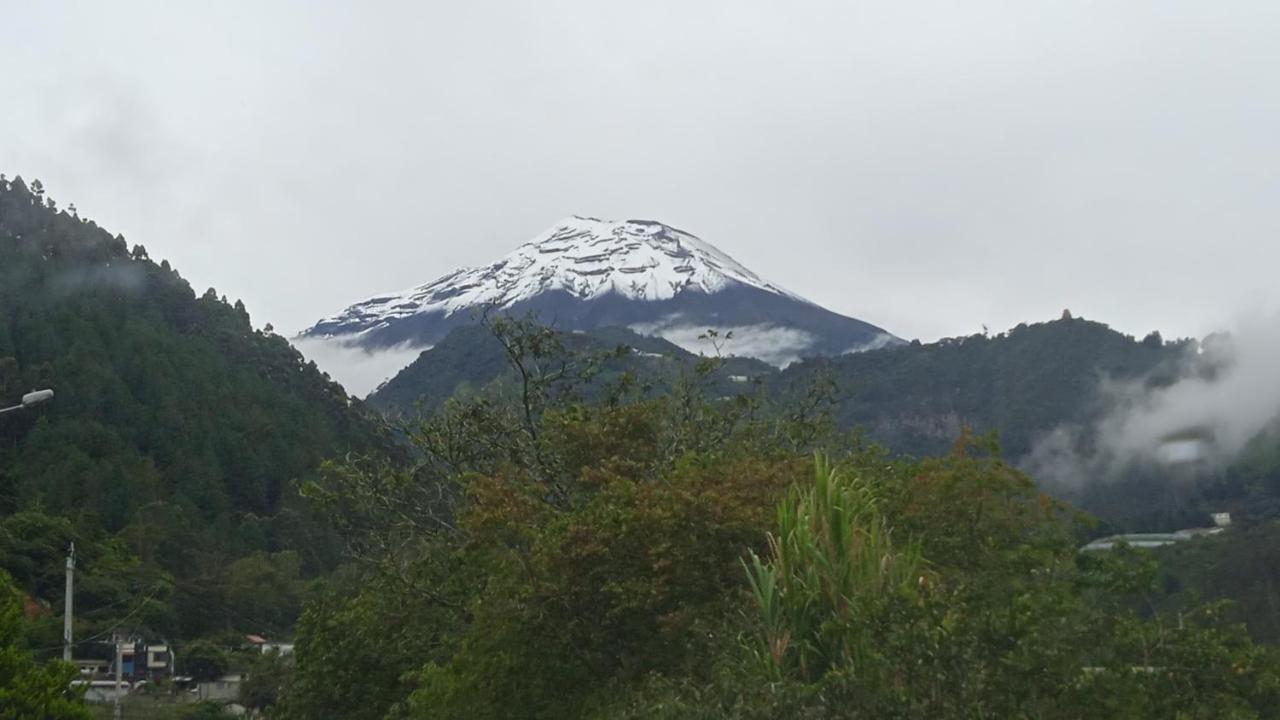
915 398
601 525
471 358
170 451
667 557
1028 383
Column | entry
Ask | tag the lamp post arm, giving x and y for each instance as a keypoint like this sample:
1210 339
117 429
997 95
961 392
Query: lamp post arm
35 397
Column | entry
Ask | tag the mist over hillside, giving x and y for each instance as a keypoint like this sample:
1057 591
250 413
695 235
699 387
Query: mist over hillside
174 447
792 426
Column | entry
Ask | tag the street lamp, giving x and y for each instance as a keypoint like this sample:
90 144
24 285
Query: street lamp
35 397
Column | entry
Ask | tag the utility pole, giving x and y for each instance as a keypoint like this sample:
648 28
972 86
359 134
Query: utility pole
119 676
66 611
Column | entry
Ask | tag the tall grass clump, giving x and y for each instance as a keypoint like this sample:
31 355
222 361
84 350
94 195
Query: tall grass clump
835 583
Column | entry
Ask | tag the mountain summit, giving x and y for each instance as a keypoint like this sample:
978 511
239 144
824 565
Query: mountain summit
586 273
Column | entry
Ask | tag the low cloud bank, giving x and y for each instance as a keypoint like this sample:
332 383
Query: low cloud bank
358 370
1226 394
778 346
125 277
883 340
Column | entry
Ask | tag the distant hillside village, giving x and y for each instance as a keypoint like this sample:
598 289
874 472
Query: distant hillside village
137 671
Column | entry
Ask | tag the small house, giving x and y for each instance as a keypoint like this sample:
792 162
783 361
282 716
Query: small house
265 646
225 688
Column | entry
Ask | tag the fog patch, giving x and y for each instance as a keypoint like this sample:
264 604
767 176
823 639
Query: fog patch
1226 394
882 340
358 370
778 346
126 277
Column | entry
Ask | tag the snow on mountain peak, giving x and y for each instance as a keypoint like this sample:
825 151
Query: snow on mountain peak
585 257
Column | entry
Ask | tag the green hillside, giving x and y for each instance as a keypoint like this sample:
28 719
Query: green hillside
171 451
472 359
680 556
1021 384
914 399
598 525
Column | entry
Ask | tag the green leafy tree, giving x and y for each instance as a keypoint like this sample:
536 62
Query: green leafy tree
31 690
553 554
268 675
266 589
204 661
358 643
175 443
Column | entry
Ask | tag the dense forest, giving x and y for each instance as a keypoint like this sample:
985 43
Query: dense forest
472 358
1021 384
687 556
588 526
914 399
172 450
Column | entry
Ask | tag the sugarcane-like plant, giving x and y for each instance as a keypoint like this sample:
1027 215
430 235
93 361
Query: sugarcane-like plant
833 581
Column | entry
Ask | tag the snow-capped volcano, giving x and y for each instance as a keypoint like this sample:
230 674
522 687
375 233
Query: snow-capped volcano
586 273
584 257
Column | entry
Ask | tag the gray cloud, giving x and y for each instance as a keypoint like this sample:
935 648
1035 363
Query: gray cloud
928 166
1227 394
775 345
359 371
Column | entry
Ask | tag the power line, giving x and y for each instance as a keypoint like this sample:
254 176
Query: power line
113 628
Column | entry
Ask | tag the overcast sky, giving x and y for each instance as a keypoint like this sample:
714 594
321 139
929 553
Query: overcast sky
926 166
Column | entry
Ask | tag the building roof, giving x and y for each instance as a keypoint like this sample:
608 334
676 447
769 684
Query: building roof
1150 540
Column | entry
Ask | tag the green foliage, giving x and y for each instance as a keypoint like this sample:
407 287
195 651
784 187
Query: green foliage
555 557
917 398
357 643
204 710
569 538
475 360
1242 565
633 581
269 674
560 545
1018 625
266 589
204 661
833 575
29 690
110 581
914 398
174 443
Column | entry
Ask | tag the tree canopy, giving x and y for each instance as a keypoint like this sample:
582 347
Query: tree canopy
172 452
687 556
